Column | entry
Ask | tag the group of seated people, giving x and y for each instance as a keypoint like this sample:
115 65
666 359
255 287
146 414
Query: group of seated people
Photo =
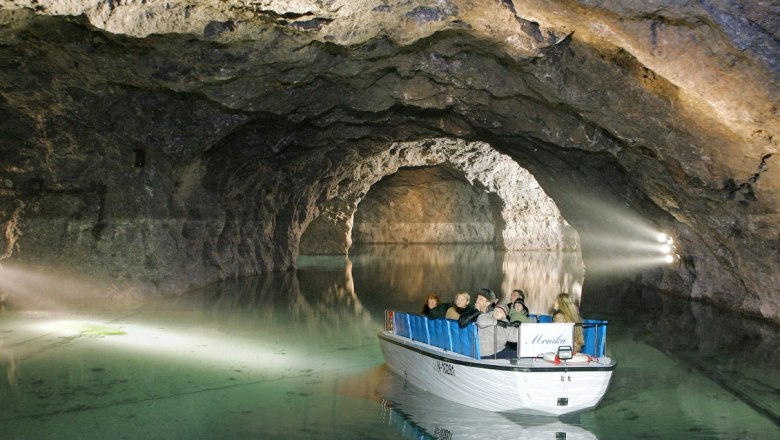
496 339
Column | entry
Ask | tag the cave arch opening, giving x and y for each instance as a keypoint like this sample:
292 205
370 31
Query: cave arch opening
505 198
440 203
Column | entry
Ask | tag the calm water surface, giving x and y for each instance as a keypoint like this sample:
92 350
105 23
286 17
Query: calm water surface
295 355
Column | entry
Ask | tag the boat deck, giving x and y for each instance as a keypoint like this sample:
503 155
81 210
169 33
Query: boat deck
520 364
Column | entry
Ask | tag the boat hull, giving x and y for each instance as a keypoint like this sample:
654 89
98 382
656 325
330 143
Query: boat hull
527 386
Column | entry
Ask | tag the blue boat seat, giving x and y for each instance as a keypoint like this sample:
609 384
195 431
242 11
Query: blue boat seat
443 333
447 334
594 332
541 318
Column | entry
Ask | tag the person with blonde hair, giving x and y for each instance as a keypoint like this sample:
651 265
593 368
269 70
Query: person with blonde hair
462 300
566 311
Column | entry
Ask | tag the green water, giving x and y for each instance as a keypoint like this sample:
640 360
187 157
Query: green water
295 356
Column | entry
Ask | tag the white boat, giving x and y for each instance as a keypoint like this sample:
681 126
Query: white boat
421 415
442 358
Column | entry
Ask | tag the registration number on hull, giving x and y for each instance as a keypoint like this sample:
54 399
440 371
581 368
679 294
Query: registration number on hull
445 368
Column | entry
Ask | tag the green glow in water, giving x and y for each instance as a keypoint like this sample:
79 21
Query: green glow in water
100 330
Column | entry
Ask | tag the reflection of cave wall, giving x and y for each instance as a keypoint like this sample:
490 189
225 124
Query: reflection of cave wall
423 205
417 270
542 276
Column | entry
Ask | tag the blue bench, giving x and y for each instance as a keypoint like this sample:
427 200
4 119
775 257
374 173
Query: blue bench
447 335
443 333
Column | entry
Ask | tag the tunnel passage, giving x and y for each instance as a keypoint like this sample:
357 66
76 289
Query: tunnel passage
255 128
425 205
521 215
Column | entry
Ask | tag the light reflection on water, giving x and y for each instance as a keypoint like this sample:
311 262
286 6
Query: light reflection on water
410 272
295 355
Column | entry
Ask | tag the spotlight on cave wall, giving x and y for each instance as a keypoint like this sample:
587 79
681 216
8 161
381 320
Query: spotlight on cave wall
668 248
621 241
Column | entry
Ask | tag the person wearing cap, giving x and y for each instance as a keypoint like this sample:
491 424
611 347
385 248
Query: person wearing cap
519 312
491 297
494 334
483 303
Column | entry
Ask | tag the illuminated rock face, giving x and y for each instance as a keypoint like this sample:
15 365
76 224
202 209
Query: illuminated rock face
428 205
177 143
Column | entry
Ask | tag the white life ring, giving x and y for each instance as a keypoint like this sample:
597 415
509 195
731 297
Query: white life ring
578 358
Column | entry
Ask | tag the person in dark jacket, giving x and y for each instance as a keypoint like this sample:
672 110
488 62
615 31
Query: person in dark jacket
452 310
430 303
440 311
484 303
461 305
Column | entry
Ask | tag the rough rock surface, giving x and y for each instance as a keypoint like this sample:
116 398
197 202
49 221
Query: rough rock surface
175 143
426 205
526 218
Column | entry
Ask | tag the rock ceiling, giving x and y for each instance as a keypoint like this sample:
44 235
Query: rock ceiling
180 142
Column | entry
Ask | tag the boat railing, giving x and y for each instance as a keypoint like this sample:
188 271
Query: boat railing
448 335
443 333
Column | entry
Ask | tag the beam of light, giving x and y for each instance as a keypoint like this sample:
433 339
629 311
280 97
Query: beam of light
626 244
607 264
36 288
621 241
202 347
67 311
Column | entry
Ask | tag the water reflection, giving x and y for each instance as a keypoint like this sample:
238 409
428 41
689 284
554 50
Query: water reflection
321 298
421 415
736 352
408 273
295 354
542 276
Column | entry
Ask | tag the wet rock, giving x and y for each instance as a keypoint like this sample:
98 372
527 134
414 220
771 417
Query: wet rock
159 147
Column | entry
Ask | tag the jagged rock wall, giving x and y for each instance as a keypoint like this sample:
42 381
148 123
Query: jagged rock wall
246 114
424 205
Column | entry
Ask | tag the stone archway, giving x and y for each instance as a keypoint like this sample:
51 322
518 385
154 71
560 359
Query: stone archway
530 219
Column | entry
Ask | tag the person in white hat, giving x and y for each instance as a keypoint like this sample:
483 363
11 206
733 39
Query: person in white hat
494 334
